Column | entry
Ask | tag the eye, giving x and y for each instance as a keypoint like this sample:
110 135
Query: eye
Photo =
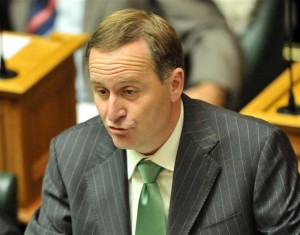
102 91
130 91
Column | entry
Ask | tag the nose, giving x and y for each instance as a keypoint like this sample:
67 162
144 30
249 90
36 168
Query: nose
115 109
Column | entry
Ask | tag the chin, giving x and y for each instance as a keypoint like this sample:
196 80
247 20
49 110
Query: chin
122 144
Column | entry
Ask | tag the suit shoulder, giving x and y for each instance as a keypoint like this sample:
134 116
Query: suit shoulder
223 117
93 123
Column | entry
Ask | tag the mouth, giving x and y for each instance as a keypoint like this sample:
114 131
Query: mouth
117 130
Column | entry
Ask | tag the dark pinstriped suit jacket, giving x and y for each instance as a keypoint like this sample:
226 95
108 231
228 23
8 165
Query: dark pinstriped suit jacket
233 175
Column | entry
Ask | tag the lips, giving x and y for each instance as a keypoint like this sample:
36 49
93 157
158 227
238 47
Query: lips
117 130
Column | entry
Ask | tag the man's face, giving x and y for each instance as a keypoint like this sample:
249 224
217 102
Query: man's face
138 110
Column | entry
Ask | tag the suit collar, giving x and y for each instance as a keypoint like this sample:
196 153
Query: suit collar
195 170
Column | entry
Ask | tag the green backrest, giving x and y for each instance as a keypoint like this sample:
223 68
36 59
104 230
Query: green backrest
262 45
8 195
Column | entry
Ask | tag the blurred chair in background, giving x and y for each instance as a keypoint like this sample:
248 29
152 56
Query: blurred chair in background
8 204
297 22
262 45
4 15
260 28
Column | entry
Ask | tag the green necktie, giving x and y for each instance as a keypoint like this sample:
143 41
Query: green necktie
150 217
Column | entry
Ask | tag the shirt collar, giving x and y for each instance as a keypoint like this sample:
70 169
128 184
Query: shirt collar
165 156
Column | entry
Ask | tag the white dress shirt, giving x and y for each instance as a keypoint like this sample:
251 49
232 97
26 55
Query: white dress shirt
164 157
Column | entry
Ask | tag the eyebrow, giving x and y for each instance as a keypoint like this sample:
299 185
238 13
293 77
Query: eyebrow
96 82
121 80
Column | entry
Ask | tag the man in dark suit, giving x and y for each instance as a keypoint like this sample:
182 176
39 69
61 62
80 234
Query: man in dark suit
222 173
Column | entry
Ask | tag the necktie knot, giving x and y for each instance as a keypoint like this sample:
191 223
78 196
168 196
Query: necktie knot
149 171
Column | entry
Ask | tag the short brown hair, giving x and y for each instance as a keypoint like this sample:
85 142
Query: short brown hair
129 25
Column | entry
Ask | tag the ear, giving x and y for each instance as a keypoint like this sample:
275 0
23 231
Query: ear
177 83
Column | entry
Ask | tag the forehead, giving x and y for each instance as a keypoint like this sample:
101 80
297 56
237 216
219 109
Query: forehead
136 51
132 59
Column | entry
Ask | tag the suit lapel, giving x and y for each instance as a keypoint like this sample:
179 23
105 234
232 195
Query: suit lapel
108 187
195 170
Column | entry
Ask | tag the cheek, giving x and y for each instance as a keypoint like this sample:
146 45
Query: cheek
155 112
101 107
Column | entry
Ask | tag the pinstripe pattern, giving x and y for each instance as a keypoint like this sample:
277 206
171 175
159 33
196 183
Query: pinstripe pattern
233 175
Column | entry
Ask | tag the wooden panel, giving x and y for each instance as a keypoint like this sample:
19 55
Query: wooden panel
37 59
34 107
